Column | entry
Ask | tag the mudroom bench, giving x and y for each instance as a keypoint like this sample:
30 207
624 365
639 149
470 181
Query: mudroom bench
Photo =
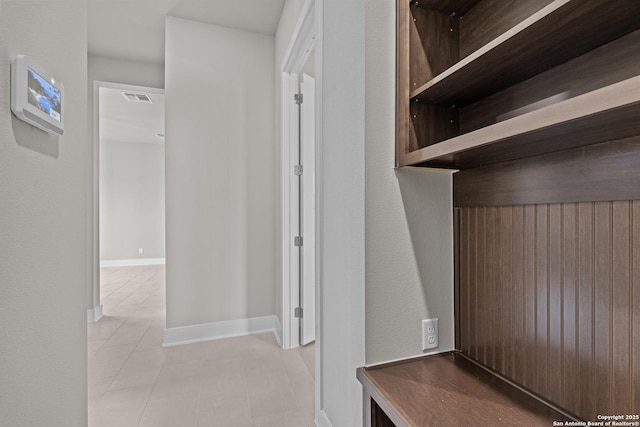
448 389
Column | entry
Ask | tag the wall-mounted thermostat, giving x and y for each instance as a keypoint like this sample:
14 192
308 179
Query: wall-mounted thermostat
36 97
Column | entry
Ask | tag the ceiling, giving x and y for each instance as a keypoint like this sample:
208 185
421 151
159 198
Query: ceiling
133 122
134 29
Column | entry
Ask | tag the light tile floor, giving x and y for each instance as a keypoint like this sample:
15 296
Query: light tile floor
133 381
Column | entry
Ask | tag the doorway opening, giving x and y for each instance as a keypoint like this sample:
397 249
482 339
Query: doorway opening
130 178
298 185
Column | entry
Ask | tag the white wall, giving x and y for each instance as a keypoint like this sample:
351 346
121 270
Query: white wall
341 189
44 232
404 219
131 200
288 20
112 70
125 71
221 175
409 225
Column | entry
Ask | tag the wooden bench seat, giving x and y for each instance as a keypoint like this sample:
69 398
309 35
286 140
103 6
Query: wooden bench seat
447 390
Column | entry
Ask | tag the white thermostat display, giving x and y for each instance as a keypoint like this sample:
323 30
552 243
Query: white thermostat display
36 97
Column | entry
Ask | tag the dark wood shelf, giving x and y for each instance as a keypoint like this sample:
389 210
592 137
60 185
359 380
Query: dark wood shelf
450 390
448 7
601 115
555 34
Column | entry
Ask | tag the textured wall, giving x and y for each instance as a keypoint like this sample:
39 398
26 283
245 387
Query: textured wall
341 209
409 224
44 232
221 174
131 200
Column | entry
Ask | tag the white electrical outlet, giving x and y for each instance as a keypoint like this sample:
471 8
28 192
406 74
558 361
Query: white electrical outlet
429 334
140 251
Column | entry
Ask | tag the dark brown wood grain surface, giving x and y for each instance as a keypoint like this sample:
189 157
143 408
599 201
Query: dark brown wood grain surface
449 390
601 172
556 37
549 298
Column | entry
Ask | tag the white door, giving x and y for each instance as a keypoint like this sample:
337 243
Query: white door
308 212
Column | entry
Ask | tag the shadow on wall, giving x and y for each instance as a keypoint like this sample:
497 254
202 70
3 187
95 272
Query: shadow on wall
34 139
425 193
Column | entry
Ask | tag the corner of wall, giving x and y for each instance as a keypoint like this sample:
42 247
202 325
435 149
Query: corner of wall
409 278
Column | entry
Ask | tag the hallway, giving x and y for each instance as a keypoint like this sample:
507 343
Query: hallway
133 381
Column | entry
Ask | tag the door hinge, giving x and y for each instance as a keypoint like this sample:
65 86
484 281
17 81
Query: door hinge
298 98
297 170
297 241
297 312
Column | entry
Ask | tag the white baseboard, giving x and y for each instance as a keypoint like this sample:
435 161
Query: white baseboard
322 420
278 331
130 262
94 314
217 330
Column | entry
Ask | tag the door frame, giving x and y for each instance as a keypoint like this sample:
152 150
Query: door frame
302 43
95 313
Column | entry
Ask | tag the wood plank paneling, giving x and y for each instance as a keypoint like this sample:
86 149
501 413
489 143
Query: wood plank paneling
586 291
504 341
555 286
551 291
491 286
620 310
530 296
635 306
541 257
462 282
518 348
481 304
602 306
474 295
569 300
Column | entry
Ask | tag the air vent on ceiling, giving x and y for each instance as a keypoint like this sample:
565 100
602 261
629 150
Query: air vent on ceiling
137 97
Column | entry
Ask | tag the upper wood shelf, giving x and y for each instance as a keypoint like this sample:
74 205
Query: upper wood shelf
604 114
559 32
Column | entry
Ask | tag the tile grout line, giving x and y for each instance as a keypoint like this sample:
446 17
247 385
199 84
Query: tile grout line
292 413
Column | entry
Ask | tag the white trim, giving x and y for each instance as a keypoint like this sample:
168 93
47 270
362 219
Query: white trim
301 43
289 196
94 314
278 331
135 261
302 40
321 417
322 420
217 330
285 182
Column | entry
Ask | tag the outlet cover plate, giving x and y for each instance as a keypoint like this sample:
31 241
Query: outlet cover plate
429 334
